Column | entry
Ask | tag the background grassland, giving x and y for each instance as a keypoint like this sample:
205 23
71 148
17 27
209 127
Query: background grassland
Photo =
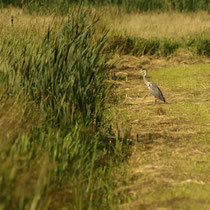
160 34
172 25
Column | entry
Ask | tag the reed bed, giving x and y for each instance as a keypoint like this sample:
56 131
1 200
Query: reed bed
56 140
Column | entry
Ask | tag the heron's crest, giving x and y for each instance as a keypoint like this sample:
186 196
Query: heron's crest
143 70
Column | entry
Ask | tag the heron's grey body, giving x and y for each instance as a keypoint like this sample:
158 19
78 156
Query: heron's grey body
153 88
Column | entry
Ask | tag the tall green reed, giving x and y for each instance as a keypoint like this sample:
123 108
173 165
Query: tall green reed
65 74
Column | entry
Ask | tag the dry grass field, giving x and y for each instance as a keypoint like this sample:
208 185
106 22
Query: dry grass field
24 20
147 25
163 25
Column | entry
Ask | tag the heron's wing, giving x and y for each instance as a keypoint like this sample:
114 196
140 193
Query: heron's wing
155 91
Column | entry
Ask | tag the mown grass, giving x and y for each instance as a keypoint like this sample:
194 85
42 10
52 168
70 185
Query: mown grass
198 75
193 81
170 165
186 196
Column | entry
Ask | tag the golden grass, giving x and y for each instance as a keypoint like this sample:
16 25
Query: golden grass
162 25
39 24
22 19
146 25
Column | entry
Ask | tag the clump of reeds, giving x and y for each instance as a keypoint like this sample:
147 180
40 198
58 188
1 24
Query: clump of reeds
65 73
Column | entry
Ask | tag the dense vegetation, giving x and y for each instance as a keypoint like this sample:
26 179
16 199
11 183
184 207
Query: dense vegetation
65 73
161 47
128 5
55 95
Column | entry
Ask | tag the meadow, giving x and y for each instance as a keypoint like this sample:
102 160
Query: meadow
74 135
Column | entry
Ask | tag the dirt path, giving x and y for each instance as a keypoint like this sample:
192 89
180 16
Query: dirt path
171 152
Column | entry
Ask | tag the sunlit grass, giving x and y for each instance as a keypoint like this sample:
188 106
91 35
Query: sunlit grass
184 196
188 89
193 77
163 25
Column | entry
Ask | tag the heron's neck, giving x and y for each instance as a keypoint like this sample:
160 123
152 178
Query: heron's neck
145 79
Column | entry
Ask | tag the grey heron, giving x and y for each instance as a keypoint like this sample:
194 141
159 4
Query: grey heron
153 88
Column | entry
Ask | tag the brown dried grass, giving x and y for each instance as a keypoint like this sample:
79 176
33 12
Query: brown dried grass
162 25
